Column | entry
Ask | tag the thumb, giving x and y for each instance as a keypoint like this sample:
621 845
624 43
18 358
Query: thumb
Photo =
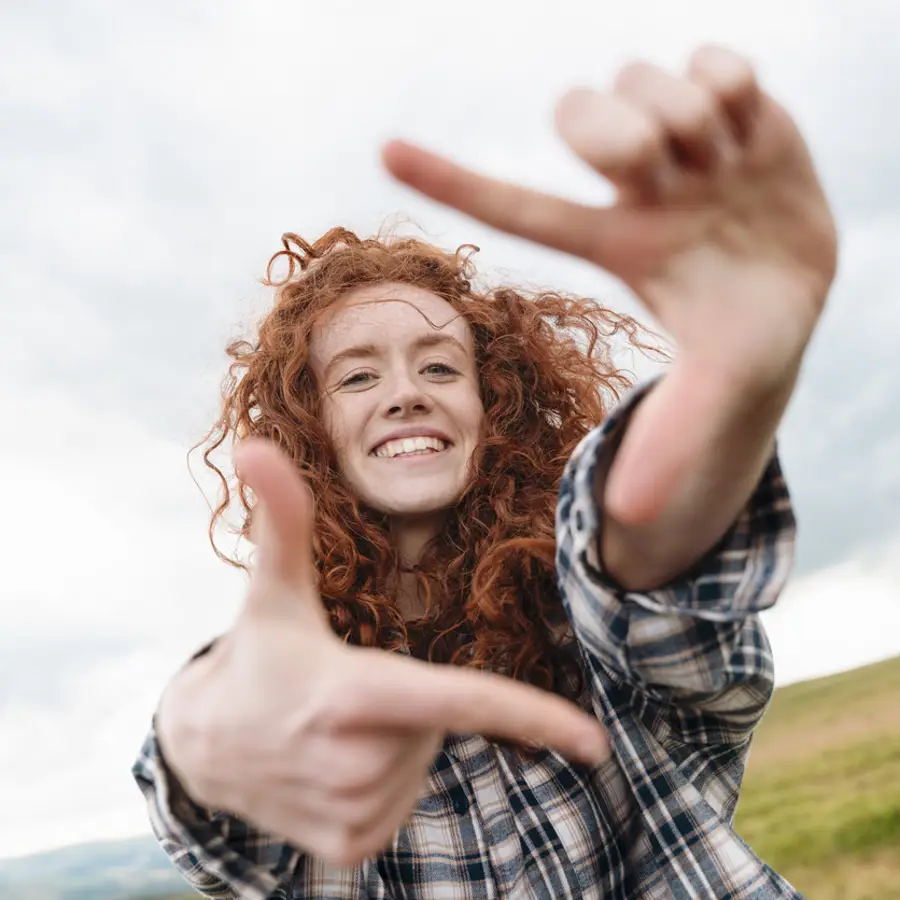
282 524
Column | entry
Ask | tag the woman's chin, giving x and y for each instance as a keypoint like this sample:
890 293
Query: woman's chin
418 505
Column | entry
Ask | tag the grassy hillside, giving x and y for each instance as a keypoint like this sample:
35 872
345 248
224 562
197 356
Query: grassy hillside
821 800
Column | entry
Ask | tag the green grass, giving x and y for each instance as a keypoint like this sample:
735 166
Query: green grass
828 700
821 799
846 801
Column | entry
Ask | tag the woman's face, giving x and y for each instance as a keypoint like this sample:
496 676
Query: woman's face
401 397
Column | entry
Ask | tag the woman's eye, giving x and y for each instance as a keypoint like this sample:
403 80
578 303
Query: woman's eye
440 369
357 379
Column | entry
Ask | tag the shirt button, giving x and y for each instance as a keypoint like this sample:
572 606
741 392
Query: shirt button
460 804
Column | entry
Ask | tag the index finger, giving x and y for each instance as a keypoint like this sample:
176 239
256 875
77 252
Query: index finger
467 701
536 216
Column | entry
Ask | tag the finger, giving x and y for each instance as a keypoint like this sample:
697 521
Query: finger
529 214
688 114
282 512
617 138
731 79
416 695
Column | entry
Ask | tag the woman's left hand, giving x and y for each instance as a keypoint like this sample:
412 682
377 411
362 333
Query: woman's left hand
720 226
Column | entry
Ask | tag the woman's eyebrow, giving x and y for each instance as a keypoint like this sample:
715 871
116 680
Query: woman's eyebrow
366 351
360 351
434 340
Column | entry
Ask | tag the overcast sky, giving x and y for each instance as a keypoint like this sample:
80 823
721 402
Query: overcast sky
152 156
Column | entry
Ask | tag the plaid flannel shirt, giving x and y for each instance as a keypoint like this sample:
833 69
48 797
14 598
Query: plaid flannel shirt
679 676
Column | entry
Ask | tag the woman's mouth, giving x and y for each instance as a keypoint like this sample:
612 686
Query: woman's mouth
419 445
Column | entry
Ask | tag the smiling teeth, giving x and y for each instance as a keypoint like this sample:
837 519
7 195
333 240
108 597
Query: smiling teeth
409 445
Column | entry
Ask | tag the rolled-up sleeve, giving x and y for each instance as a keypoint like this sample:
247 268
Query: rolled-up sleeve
695 648
219 855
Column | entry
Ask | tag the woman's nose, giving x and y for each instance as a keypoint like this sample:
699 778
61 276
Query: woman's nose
407 398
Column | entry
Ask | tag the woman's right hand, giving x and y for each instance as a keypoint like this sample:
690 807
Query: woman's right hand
325 745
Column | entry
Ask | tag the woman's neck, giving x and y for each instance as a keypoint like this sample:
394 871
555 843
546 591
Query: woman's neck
409 597
411 536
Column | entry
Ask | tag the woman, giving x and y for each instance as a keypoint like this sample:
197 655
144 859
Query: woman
416 434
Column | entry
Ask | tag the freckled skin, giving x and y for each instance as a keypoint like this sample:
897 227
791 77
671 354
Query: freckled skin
399 384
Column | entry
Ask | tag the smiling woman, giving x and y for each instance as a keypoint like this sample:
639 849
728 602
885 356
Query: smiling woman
386 339
418 382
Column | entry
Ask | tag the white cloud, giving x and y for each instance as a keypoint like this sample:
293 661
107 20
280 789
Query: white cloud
110 553
67 774
838 618
104 514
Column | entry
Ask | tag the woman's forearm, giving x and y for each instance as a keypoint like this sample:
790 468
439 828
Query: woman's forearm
691 456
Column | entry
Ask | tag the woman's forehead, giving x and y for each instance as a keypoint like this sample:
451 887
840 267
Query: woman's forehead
397 312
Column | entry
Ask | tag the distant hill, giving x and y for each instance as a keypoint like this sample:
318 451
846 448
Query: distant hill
135 869
821 802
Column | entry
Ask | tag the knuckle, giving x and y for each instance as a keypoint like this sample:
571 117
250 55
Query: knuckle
633 75
328 710
697 110
645 141
338 776
739 79
340 846
363 814
728 71
711 54
349 768
339 708
703 57
361 779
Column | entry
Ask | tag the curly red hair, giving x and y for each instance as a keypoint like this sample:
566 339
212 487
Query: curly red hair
547 377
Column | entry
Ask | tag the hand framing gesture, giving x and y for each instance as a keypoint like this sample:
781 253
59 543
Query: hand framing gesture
323 744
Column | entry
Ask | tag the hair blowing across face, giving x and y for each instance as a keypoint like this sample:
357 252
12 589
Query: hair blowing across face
546 378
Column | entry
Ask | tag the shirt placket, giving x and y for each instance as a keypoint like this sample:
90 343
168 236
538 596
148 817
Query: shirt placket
489 808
